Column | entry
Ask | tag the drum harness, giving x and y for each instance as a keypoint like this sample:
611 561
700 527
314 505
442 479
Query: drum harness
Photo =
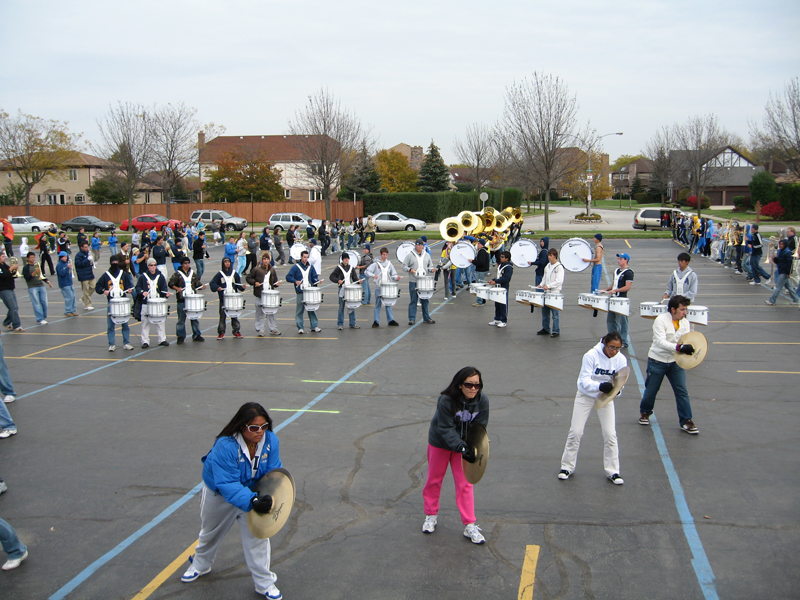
187 280
346 278
617 275
114 285
153 285
679 280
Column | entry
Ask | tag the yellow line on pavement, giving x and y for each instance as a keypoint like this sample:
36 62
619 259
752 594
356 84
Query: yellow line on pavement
759 343
629 246
754 321
153 360
165 574
773 372
62 345
528 573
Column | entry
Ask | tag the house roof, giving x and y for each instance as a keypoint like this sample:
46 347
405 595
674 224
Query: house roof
275 148
75 160
640 165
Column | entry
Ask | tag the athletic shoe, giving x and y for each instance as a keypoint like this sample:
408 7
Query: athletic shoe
260 334
477 304
8 433
316 330
430 322
273 593
166 343
411 322
180 341
145 346
89 308
768 302
563 474
394 324
199 338
111 348
689 427
375 324
274 332
501 324
616 479
13 563
192 574
3 486
340 327
754 283
473 532
543 332
355 326
237 335
429 526
221 336
493 322
300 331
9 399
555 334
19 329
128 346
42 322
644 419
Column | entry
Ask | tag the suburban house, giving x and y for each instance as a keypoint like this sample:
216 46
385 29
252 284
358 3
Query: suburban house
413 154
283 151
622 179
729 175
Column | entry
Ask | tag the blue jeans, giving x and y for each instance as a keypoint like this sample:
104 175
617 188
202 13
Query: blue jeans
70 305
180 328
677 379
546 312
6 386
10 541
38 296
378 304
480 277
200 268
618 322
112 336
412 306
340 316
9 298
782 281
298 314
367 294
756 268
597 274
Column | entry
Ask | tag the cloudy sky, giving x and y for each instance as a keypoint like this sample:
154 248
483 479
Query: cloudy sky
415 71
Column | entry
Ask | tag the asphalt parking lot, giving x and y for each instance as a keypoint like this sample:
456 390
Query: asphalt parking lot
104 471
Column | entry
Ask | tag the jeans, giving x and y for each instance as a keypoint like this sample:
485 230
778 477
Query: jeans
298 314
378 304
583 407
180 328
546 312
38 296
412 306
597 274
10 541
618 322
782 281
6 386
200 267
241 262
480 277
367 293
756 268
350 241
110 330
70 306
340 315
677 379
448 282
10 300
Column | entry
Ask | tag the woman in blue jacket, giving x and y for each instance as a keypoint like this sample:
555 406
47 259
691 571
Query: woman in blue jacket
245 450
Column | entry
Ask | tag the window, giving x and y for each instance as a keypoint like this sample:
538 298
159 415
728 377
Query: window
287 194
147 197
73 174
38 198
316 169
79 199
62 199
314 195
51 198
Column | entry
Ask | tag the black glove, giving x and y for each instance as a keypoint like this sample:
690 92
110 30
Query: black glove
686 349
263 504
468 455
606 387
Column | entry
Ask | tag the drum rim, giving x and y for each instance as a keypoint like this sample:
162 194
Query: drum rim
561 254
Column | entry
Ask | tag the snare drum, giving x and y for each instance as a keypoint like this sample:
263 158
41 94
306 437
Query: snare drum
537 297
120 310
498 294
621 306
524 297
555 301
390 292
594 301
353 295
651 310
233 304
697 314
482 290
156 310
461 254
312 298
194 305
270 301
425 286
573 251
404 250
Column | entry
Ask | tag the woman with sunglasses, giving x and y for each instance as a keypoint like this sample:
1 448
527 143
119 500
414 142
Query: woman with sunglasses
245 450
599 366
459 407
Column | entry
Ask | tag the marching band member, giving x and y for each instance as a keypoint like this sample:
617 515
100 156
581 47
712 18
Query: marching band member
459 406
115 283
382 271
315 256
597 262
683 281
552 281
598 368
183 280
245 450
152 284
417 263
264 277
623 280
481 264
303 275
505 270
783 262
227 280
342 275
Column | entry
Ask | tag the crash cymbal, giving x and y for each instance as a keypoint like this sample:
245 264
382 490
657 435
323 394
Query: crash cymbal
700 344
478 440
279 484
620 377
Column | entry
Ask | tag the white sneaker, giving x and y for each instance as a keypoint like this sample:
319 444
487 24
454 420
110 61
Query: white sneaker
9 399
473 532
273 593
42 322
493 322
13 563
501 324
111 348
192 574
88 308
616 479
300 331
316 330
429 526
128 347
7 433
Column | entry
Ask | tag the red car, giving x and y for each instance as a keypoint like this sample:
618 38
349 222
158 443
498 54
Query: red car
143 222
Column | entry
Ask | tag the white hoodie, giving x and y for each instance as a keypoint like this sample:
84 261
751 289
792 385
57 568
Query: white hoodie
597 368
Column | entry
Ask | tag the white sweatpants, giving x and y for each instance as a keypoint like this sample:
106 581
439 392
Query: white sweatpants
580 413
217 517
271 321
146 322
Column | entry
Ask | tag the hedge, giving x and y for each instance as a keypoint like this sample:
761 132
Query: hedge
789 198
433 207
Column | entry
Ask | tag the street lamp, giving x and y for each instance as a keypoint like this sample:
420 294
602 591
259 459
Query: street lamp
589 170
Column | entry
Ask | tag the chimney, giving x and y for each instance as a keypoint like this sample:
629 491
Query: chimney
201 140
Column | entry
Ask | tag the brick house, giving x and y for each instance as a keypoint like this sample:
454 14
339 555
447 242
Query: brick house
730 176
622 179
414 154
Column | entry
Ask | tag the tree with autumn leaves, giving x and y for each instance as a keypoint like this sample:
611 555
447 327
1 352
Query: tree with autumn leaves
244 175
396 174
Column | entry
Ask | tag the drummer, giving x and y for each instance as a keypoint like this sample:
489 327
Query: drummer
184 281
342 275
460 406
683 281
115 283
417 263
505 270
303 275
245 450
552 282
382 271
227 280
481 263
598 368
264 277
152 284
597 262
623 280
668 329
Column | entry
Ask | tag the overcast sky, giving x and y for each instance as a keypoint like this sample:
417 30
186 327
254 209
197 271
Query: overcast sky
414 71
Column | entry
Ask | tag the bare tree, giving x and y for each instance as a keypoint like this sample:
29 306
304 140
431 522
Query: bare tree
697 143
781 128
477 151
538 119
126 140
328 137
174 144
35 149
658 151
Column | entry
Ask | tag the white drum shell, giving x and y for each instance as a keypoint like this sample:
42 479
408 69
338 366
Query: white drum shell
498 294
461 254
555 301
425 283
524 297
194 302
697 314
390 290
537 298
594 301
353 292
651 310
156 309
120 310
621 306
573 251
312 295
482 290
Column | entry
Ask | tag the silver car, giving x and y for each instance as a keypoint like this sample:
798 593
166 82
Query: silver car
29 224
284 220
394 221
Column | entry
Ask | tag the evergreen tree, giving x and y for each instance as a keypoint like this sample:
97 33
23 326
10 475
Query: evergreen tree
636 186
364 179
434 176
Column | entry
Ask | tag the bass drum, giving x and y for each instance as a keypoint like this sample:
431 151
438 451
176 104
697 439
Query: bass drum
296 250
573 251
404 250
524 252
353 257
461 254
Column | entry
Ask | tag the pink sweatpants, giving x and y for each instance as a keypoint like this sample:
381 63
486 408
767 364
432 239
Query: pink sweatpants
437 467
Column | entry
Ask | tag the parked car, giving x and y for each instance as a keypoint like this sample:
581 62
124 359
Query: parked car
143 222
283 220
229 222
394 221
88 223
651 217
29 224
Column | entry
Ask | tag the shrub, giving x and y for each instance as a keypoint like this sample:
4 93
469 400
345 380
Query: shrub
641 198
742 203
683 195
691 201
773 210
789 198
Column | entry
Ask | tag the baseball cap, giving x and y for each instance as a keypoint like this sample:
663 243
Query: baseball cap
624 255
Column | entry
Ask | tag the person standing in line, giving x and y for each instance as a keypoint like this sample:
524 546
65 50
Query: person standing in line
351 232
505 270
65 285
623 280
303 275
783 261
97 244
227 280
230 250
115 283
683 281
482 264
418 264
447 269
112 242
44 254
152 284
277 242
84 269
597 262
159 254
199 254
241 253
382 271
756 249
184 281
81 237
251 259
7 293
264 277
342 275
541 260
460 406
598 368
62 243
552 283
35 279
363 264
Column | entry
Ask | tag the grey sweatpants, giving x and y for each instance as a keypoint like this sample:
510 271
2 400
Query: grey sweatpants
216 518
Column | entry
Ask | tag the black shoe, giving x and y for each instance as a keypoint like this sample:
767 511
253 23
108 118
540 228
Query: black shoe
164 343
555 334
411 322
430 321
375 324
145 346
394 324
199 338
180 341
543 332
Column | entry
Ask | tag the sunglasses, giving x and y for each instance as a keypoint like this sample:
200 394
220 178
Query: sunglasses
614 348
472 386
257 428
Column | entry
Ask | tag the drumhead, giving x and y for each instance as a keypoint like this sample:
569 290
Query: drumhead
461 254
573 251
524 252
353 257
404 250
296 250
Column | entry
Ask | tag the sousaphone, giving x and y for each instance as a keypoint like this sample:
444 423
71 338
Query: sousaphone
700 345
478 440
279 484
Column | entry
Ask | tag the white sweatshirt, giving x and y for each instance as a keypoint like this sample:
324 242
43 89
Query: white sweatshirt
597 368
666 339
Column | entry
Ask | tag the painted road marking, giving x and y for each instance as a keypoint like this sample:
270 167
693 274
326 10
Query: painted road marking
153 360
629 246
773 372
333 412
357 382
758 343
528 573
166 573
62 345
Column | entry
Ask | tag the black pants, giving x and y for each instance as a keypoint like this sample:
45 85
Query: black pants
45 258
250 262
235 325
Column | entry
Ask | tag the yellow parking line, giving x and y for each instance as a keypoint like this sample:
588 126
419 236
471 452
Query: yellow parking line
153 360
759 343
166 573
629 246
773 372
528 573
62 345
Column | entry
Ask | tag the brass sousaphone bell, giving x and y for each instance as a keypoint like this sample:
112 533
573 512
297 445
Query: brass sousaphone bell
478 440
451 229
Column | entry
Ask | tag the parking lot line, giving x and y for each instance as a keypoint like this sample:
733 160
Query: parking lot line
528 573
773 372
62 345
166 573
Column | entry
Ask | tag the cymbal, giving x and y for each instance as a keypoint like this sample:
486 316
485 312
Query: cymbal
478 440
279 484
698 340
620 377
